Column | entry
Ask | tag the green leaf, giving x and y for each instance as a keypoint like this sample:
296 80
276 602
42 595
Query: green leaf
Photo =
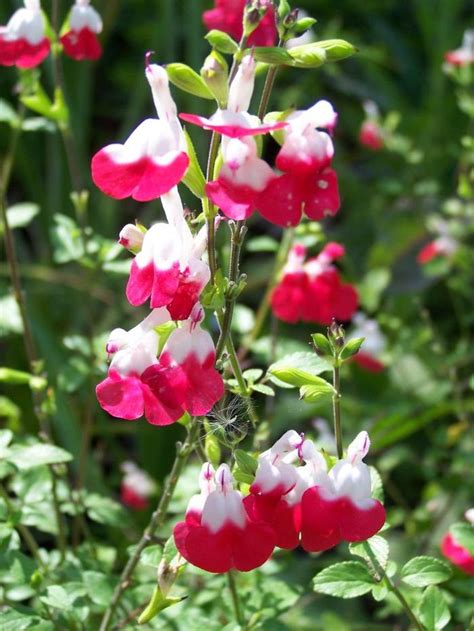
16 568
314 393
99 587
151 556
222 42
105 511
20 215
464 536
272 55
375 552
188 80
246 463
194 178
252 374
344 580
299 368
351 348
423 571
15 377
63 597
372 287
10 322
263 389
7 113
434 612
322 344
307 56
67 240
37 455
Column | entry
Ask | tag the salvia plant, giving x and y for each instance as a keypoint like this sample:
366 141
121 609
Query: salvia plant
244 498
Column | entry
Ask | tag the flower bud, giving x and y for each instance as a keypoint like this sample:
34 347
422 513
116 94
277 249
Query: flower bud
255 11
131 237
215 74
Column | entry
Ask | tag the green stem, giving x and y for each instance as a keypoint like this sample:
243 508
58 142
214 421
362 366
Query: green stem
267 90
235 598
336 408
183 452
57 511
211 209
402 600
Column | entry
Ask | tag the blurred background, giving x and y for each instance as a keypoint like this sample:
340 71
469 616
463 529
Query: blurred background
418 409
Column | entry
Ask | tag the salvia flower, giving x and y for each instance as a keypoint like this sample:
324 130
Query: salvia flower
136 487
168 269
444 246
217 534
153 159
313 291
455 552
23 42
374 343
371 134
464 55
228 16
80 41
182 379
307 184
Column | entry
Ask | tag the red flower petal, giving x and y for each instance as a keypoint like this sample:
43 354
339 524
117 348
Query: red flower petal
121 397
232 131
281 202
319 522
290 296
82 45
321 195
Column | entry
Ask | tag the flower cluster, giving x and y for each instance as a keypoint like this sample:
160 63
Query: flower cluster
287 506
246 183
24 43
150 374
312 290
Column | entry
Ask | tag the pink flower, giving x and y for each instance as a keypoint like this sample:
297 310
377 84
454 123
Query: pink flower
153 159
308 183
81 42
465 55
457 554
373 346
23 42
235 121
217 534
228 16
371 135
341 508
443 246
313 291
136 487
168 269
183 378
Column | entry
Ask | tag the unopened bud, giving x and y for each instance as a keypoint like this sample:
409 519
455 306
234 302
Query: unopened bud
215 72
131 237
255 11
336 333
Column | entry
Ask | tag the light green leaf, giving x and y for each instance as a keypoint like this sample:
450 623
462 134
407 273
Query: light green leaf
20 215
464 536
188 80
222 42
10 322
99 587
37 455
372 287
344 580
263 389
272 55
434 612
105 511
315 393
151 556
424 570
7 113
246 463
375 552
352 348
194 177
299 369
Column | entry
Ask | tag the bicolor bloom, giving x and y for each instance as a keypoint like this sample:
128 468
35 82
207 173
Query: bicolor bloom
235 121
228 15
182 379
371 134
80 41
313 291
374 343
23 42
189 356
464 55
458 555
153 159
444 245
137 486
342 509
130 391
308 184
217 534
168 269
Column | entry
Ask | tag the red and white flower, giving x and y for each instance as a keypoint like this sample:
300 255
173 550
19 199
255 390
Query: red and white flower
464 55
228 15
23 42
308 184
80 41
168 269
313 291
137 487
235 121
342 509
374 343
371 134
217 534
130 391
153 159
444 246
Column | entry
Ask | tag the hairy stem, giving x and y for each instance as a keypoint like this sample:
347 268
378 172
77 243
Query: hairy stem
211 209
239 617
336 408
183 452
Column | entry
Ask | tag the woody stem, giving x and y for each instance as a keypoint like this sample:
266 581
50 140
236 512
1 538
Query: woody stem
183 452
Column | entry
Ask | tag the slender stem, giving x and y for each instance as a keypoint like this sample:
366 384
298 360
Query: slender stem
59 520
336 408
211 209
267 90
23 530
235 598
182 453
236 60
402 600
